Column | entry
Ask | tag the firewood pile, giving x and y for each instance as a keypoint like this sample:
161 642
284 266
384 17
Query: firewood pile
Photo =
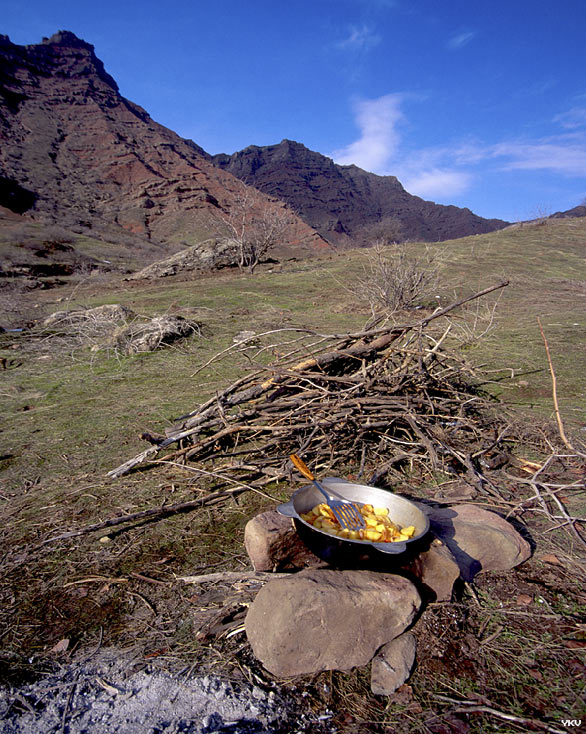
382 400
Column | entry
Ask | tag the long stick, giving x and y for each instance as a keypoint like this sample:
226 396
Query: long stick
233 576
157 511
554 395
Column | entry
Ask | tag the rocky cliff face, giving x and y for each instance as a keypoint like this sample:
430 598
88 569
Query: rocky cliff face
74 151
342 202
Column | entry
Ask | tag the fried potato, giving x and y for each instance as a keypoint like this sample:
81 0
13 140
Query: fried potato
379 528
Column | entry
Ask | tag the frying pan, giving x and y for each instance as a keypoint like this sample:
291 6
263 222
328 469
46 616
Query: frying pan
402 511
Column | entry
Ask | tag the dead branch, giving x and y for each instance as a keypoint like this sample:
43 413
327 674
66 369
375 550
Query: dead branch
556 406
472 707
360 359
232 576
159 512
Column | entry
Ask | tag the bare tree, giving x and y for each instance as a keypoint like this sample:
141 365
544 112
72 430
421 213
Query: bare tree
254 228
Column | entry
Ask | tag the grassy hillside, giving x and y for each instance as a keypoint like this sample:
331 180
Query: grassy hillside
71 413
545 263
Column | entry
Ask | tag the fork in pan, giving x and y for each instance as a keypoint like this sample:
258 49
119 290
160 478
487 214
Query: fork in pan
346 513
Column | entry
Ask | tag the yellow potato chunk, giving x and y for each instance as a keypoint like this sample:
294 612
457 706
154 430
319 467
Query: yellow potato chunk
379 528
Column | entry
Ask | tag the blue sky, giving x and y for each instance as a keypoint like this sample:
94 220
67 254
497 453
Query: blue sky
476 103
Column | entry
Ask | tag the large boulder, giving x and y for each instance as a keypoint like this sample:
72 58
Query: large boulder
480 540
322 619
207 255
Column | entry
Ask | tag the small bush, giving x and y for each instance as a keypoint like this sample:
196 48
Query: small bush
395 279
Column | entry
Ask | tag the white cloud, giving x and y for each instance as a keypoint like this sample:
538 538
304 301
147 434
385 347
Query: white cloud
572 119
447 171
359 39
437 182
424 172
563 155
460 40
377 120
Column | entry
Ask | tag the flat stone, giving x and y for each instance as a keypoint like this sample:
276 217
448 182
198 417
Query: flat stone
392 665
273 544
480 540
456 491
322 619
436 569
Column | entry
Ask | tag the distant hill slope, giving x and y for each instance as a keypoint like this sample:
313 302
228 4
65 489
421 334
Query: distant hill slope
76 152
577 211
341 201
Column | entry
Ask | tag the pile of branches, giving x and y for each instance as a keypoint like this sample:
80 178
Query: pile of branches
379 400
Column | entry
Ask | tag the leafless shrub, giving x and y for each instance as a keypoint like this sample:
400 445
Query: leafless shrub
253 229
146 336
387 231
395 278
82 328
115 328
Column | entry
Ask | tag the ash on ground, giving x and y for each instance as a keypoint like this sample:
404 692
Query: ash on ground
104 695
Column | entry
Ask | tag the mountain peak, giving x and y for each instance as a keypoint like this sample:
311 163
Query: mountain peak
75 151
342 202
67 39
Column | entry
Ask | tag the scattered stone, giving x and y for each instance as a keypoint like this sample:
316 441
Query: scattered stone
112 313
321 619
480 540
392 665
437 569
551 558
147 336
523 600
273 544
456 491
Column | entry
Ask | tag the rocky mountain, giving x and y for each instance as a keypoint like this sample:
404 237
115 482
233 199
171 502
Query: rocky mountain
74 151
344 202
577 211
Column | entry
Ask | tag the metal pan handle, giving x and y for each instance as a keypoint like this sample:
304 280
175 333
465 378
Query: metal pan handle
287 509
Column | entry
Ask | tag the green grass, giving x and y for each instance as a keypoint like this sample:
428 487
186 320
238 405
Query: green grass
546 266
70 415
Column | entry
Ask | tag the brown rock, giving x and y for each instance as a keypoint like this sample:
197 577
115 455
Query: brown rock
321 619
392 665
272 543
479 539
437 569
456 491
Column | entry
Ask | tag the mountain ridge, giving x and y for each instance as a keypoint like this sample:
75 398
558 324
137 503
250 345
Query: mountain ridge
73 150
340 202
